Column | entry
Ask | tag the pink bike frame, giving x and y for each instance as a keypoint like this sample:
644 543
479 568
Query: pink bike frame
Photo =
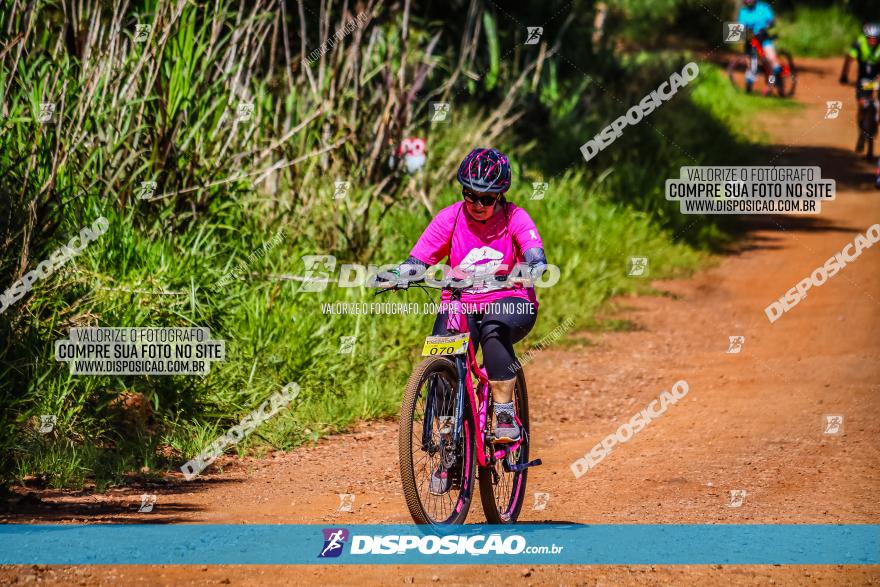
457 322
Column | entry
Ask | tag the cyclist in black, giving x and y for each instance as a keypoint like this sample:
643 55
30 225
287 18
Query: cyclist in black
866 51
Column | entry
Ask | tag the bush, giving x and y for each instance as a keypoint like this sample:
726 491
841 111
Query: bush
146 114
818 32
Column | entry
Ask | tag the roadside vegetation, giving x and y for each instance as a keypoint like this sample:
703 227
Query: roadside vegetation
811 31
166 107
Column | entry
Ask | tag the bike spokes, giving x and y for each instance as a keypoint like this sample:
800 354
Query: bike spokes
504 492
502 486
753 73
436 469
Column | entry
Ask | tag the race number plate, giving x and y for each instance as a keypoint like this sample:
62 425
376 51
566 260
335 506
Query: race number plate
870 85
446 345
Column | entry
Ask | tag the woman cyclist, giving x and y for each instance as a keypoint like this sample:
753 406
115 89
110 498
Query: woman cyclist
482 235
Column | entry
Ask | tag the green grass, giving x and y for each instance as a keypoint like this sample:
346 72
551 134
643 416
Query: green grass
159 262
275 334
733 108
818 32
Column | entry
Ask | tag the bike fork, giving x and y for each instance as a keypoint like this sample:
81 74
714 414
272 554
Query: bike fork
461 366
428 422
751 72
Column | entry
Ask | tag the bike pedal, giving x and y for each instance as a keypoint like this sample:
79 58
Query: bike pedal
524 466
503 442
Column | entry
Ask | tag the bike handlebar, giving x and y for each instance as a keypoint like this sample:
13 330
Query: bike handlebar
421 284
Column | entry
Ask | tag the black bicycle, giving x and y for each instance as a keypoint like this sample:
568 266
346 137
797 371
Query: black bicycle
868 109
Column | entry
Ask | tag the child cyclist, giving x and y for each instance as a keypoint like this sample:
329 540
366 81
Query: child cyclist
484 234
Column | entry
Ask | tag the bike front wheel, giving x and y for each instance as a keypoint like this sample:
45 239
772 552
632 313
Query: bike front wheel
867 129
787 81
502 489
739 71
426 446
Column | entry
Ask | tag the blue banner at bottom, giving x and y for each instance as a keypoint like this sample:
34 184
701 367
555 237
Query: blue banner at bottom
630 544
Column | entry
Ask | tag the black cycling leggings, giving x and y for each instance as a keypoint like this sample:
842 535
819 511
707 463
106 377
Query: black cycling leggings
507 322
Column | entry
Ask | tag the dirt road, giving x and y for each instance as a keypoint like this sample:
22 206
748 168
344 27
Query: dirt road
752 421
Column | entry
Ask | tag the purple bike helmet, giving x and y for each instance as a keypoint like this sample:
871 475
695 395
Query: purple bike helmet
485 171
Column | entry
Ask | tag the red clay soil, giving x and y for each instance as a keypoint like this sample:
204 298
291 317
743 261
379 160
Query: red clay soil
751 421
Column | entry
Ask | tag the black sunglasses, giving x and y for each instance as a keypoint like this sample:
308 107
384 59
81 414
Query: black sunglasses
473 198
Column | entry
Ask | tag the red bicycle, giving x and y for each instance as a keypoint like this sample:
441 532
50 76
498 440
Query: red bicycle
444 422
743 70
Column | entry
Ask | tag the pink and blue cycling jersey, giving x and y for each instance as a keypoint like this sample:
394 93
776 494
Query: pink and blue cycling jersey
491 247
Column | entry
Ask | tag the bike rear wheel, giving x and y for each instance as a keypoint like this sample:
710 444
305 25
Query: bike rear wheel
503 491
429 399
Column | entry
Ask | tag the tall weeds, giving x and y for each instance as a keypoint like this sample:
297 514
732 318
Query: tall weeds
245 115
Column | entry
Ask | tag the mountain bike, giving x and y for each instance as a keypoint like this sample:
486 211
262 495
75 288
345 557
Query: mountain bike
445 421
743 70
867 117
